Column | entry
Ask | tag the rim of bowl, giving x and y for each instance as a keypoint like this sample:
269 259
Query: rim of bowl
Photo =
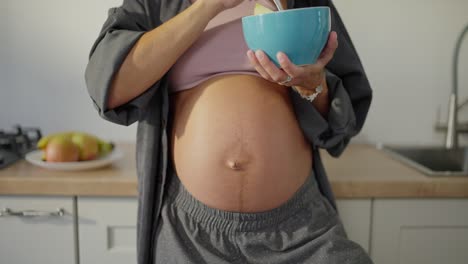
289 10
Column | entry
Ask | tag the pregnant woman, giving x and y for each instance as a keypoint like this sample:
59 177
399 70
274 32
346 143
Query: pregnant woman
227 152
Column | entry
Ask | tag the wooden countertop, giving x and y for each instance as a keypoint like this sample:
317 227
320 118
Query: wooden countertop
361 172
118 179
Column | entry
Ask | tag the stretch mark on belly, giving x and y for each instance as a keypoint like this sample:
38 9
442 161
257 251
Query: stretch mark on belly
238 155
241 192
239 160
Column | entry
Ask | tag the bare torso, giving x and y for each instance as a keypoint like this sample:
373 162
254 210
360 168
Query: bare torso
236 144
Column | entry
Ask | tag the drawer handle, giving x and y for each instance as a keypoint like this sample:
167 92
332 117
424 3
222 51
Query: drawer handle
31 213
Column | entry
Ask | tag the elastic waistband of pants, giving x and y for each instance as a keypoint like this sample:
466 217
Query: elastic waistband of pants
229 221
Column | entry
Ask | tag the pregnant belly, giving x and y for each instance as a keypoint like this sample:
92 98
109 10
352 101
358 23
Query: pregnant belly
236 144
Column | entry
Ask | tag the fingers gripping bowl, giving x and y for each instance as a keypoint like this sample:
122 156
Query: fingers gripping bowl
300 33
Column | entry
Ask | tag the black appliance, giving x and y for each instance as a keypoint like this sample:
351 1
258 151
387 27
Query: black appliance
15 143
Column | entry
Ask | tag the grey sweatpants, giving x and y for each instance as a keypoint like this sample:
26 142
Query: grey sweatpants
304 229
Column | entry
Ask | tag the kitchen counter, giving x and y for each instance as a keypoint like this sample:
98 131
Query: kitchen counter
361 172
118 179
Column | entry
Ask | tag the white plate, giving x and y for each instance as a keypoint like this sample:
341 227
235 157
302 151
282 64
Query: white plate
35 157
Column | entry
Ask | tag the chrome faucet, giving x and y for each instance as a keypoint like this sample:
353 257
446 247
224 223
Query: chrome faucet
453 127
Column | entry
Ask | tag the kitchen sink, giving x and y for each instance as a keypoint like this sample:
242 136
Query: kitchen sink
432 161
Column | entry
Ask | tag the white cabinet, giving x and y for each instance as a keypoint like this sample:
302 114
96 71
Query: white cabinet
429 231
107 230
36 230
356 217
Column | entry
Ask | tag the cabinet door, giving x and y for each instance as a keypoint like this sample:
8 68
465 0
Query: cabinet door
107 230
44 236
429 231
356 217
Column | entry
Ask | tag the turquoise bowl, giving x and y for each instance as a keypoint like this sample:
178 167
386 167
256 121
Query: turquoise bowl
300 33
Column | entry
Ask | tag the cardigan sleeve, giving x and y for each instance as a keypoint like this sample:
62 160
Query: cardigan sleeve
350 96
122 29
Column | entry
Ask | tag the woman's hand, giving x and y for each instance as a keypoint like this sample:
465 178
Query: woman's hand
306 77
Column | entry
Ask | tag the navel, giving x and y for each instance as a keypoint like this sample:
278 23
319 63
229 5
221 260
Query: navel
236 165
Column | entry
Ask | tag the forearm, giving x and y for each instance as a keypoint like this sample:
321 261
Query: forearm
157 50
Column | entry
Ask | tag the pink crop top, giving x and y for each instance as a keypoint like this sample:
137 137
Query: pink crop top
220 49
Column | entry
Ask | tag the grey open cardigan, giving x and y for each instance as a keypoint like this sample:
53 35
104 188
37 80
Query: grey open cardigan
349 91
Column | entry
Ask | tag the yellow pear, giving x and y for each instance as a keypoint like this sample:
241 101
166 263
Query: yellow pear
88 145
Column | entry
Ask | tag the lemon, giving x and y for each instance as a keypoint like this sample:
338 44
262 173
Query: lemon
260 9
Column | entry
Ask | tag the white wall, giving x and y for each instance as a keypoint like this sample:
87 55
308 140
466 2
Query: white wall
406 47
45 50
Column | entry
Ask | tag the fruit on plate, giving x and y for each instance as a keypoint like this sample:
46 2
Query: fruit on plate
42 143
89 146
105 147
57 147
61 149
261 9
